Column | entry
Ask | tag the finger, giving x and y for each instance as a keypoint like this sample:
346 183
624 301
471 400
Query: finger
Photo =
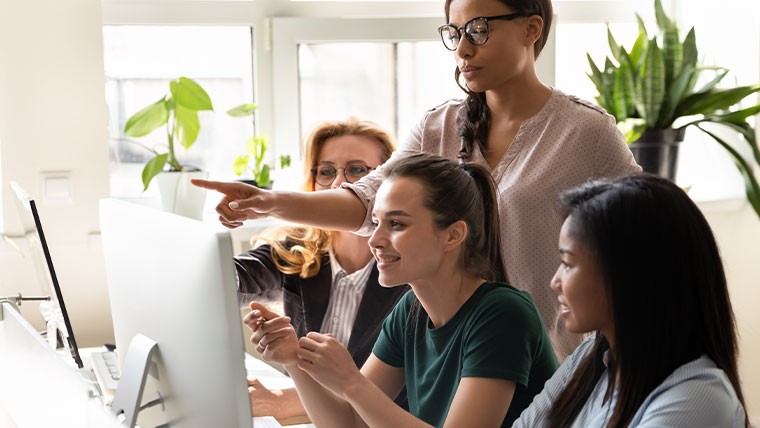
253 382
219 186
319 337
265 312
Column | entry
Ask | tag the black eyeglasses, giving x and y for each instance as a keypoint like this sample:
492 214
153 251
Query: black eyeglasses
475 30
326 174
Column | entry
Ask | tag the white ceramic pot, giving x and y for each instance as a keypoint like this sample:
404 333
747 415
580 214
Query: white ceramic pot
179 196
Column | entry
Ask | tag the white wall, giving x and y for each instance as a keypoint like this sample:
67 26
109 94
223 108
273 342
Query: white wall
738 234
53 123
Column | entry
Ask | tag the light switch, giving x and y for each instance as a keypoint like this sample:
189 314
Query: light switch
56 187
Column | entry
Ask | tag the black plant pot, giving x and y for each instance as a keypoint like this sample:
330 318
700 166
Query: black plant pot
657 151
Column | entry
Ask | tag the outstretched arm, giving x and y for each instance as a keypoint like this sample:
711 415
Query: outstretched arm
337 209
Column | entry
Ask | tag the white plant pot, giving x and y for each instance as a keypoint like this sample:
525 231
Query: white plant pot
179 196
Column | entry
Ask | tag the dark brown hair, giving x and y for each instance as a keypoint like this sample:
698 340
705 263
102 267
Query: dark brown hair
655 251
460 192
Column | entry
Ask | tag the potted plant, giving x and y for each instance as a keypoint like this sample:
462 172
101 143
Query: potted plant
658 83
254 159
178 111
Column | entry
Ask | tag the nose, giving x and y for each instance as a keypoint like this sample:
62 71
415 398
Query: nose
340 178
555 283
464 48
377 239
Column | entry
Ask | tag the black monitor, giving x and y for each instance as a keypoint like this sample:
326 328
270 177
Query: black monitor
43 264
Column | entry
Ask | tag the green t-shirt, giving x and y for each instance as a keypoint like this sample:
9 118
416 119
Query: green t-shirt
497 333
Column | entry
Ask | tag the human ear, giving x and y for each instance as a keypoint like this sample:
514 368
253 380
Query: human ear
533 29
456 234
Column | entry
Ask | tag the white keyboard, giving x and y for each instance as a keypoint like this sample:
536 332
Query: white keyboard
105 364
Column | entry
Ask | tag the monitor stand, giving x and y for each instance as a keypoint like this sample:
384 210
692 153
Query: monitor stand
133 376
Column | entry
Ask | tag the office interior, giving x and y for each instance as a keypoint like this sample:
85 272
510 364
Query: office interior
55 124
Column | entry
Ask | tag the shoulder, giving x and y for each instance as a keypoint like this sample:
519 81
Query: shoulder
507 305
446 112
696 392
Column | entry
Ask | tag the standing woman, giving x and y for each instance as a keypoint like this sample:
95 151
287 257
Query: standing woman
471 350
328 280
640 268
533 139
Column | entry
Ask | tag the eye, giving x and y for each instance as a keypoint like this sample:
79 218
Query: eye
357 170
396 224
326 171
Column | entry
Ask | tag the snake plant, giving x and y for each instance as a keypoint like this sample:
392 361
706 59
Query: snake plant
660 80
178 110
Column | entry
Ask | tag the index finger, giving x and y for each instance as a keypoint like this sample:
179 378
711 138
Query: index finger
219 186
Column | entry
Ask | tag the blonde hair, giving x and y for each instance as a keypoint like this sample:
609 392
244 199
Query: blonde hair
299 250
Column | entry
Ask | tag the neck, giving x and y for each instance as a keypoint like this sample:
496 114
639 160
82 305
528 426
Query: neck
443 295
518 100
351 250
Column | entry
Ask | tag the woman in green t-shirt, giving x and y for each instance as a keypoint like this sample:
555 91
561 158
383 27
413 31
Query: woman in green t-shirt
471 350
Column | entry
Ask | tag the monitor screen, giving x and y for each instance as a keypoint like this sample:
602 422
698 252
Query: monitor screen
172 279
54 312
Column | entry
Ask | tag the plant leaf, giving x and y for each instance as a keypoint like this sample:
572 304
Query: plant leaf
751 187
147 120
623 91
642 26
638 49
240 164
663 22
615 48
242 110
689 47
737 117
714 99
650 86
720 73
676 94
189 94
153 168
672 53
188 125
263 178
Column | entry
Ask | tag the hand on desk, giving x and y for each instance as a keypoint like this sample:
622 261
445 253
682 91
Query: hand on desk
281 404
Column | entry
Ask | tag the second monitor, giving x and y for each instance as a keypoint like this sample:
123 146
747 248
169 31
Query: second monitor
172 279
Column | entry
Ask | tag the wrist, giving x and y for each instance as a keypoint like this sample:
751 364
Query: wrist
354 386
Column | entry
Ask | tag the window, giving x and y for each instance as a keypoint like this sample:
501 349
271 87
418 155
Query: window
389 83
139 63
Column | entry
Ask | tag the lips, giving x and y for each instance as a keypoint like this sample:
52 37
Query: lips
384 260
468 70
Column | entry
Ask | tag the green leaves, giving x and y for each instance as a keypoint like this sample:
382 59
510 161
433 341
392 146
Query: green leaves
242 110
178 110
147 120
660 74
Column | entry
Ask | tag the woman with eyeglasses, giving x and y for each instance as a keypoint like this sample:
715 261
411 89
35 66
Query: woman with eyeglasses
328 280
535 140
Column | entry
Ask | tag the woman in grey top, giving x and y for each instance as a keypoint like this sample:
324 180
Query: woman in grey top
641 268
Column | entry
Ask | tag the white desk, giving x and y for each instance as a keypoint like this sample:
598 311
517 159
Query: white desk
38 388
270 378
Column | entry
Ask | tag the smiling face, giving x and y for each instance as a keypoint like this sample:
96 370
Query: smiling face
584 306
407 244
507 53
346 150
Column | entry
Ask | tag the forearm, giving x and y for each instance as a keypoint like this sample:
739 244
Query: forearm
324 408
337 209
376 409
289 405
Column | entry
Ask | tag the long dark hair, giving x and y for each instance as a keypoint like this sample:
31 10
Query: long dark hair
477 117
460 192
665 281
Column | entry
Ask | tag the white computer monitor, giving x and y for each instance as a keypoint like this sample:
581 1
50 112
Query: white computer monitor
172 279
